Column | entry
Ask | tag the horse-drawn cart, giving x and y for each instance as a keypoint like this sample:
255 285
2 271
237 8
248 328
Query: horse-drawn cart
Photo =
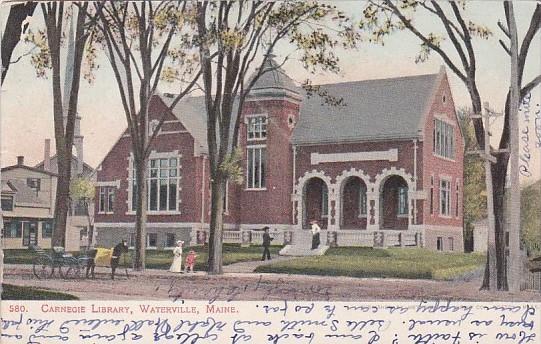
46 263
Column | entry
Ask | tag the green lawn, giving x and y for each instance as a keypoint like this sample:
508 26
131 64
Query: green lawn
381 263
161 259
13 292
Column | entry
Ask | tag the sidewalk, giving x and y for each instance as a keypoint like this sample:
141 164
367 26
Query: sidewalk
241 267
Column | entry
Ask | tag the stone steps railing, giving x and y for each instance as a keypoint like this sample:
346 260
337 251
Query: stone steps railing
359 238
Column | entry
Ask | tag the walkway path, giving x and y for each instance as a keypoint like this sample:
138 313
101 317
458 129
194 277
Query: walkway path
247 267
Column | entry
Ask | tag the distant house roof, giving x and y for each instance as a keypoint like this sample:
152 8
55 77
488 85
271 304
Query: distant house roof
29 168
87 169
374 109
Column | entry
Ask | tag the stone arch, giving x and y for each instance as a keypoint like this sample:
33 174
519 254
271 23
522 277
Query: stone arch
340 183
379 183
299 190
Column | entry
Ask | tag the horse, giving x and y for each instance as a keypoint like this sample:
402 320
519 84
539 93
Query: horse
112 255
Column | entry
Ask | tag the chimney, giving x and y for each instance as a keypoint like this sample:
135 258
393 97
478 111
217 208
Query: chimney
20 160
47 155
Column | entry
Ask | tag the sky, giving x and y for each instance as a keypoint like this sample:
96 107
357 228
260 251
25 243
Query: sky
26 101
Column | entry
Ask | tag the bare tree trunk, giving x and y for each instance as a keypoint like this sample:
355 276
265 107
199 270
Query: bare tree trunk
140 214
62 198
90 233
215 259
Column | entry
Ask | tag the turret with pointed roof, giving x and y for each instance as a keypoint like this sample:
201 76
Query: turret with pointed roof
274 82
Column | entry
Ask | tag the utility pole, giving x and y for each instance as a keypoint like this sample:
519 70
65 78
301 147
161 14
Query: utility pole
514 264
489 159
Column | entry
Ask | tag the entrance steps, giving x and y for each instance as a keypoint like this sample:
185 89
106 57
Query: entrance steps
302 250
302 243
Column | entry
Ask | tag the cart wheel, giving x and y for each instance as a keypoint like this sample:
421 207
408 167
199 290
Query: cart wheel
43 267
70 269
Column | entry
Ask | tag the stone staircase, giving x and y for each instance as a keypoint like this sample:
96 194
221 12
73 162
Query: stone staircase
302 243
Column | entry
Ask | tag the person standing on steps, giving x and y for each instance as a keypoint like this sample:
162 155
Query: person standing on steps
315 234
266 243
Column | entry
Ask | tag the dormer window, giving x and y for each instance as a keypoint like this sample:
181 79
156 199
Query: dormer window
257 127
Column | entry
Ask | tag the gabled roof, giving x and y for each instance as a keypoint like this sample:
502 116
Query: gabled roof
373 110
192 113
87 169
29 168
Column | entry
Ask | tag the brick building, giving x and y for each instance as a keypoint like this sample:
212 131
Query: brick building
384 168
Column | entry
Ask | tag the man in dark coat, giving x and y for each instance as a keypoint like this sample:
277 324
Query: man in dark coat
266 243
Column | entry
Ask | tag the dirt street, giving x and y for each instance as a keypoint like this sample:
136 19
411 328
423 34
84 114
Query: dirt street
161 285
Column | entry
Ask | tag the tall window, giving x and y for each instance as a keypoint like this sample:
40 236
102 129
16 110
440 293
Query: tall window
162 185
445 197
257 127
362 200
7 203
256 167
432 195
324 201
402 200
444 139
451 243
456 201
106 199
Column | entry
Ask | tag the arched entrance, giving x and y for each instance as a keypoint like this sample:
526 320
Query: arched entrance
394 203
354 205
316 202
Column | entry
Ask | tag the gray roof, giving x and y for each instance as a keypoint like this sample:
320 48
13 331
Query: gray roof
192 113
374 109
273 80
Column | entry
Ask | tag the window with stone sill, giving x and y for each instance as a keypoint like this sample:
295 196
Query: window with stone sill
255 169
445 197
106 200
443 141
163 180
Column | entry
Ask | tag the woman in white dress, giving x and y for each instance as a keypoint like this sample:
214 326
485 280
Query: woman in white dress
177 258
315 234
